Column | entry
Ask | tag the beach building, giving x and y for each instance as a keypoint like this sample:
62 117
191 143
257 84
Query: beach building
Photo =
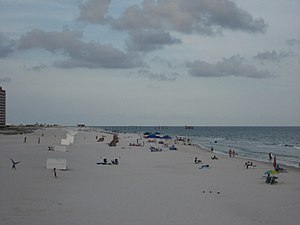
2 107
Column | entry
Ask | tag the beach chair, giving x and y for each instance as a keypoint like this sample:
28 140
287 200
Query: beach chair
104 162
279 169
273 180
197 161
268 179
172 147
204 166
115 161
214 157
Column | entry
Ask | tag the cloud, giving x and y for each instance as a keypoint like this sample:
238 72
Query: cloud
6 46
164 76
271 56
232 66
5 80
149 40
79 53
293 42
94 11
36 68
188 16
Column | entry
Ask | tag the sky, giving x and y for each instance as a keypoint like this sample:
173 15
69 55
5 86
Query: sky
151 62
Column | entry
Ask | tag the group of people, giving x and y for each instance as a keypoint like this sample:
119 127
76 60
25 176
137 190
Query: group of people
112 162
136 144
231 153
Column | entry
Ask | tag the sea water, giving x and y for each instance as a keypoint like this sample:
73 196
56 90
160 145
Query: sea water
248 142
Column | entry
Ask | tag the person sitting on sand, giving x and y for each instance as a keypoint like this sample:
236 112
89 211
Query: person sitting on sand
279 169
196 160
214 157
249 163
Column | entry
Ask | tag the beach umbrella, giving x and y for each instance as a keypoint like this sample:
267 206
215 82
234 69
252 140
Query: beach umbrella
153 136
166 137
271 172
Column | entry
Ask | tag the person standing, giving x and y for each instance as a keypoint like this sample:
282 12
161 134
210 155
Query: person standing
270 156
233 153
54 172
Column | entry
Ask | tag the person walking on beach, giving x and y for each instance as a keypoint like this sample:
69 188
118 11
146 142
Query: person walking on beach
233 153
54 172
230 153
25 139
39 140
14 164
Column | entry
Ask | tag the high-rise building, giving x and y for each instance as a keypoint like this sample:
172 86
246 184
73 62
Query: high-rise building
2 107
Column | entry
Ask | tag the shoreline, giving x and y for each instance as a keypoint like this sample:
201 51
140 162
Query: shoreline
162 188
266 140
288 167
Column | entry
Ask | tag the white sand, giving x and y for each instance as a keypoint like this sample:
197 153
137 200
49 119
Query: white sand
147 188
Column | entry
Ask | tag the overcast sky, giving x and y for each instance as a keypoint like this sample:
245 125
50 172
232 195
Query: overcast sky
151 62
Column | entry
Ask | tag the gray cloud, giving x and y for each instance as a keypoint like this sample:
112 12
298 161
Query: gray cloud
36 68
149 40
165 76
6 46
233 66
271 56
188 16
94 11
79 53
149 23
293 42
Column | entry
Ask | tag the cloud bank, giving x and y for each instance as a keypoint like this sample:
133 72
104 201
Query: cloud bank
151 25
6 46
79 53
187 16
271 56
233 66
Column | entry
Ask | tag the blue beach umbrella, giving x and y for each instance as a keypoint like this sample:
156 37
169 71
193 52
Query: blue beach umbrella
166 137
153 136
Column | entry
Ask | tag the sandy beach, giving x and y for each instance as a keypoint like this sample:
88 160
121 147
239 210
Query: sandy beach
150 188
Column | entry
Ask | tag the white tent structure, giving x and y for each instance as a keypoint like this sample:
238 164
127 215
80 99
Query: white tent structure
65 142
60 148
60 164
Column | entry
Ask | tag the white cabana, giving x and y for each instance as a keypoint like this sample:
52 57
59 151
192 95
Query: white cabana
60 148
60 164
64 142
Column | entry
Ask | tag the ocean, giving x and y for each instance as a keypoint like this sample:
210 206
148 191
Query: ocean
249 142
